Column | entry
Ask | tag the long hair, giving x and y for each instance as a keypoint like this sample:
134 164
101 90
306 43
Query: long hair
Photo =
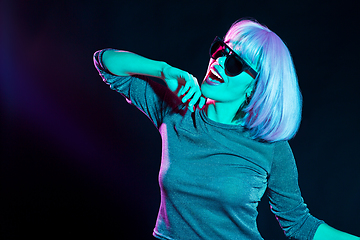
274 111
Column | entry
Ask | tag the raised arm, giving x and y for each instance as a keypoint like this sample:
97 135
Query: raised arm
182 83
123 63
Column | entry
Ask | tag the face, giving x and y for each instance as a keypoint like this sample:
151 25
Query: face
220 87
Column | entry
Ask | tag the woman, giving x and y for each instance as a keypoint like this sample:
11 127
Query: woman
224 144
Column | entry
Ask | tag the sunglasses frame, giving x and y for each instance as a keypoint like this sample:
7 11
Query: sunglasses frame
232 53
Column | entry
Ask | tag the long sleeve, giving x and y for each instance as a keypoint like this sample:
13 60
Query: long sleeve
153 99
285 196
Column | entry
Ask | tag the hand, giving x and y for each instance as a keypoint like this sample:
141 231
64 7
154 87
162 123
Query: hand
184 85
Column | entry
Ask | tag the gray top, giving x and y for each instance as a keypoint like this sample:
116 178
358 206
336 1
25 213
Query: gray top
212 175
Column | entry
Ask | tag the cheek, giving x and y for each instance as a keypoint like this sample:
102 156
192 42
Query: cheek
239 91
242 83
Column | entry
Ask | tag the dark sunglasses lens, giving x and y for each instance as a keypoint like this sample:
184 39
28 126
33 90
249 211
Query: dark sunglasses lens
233 66
216 50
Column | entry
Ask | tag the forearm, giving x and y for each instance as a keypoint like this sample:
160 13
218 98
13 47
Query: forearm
124 63
325 232
182 83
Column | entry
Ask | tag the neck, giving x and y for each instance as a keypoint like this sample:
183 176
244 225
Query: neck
222 112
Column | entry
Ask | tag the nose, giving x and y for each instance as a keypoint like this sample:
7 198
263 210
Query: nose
221 61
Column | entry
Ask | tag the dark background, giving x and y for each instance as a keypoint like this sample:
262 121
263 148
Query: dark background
78 161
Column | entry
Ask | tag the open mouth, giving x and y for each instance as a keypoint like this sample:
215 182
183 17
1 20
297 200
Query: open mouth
214 78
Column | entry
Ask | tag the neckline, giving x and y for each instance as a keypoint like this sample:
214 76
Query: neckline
207 120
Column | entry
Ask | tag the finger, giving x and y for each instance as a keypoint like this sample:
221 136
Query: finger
186 88
202 102
195 98
188 95
194 78
191 81
180 91
195 81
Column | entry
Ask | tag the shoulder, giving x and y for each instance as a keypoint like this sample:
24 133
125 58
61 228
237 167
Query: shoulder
283 158
282 147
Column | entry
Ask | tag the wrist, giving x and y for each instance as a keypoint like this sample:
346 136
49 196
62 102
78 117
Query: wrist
163 67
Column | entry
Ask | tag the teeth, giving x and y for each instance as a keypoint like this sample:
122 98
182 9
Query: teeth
215 73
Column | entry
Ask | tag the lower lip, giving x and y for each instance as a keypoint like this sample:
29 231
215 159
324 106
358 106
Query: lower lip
212 82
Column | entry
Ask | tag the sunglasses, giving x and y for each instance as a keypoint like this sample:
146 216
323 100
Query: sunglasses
234 64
